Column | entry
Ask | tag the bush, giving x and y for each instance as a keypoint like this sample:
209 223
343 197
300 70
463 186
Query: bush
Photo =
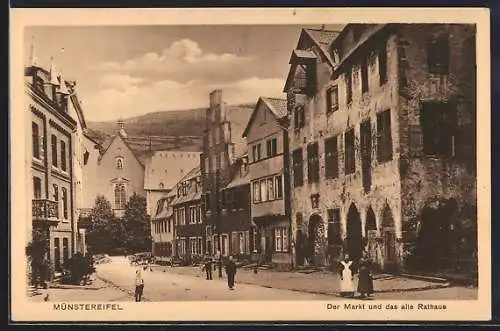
78 268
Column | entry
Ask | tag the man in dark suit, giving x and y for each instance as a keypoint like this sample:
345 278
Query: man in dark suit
231 272
208 266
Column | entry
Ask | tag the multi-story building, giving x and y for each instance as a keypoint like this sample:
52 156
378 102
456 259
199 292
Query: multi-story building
187 210
163 170
50 159
237 233
163 227
222 142
267 139
386 136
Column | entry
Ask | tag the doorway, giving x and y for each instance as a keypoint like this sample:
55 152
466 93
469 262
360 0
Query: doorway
389 240
315 235
354 240
371 235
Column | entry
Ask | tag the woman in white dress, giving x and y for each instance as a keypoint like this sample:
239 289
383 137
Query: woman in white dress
346 278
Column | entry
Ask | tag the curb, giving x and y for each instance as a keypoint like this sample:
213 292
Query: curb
392 290
110 283
75 287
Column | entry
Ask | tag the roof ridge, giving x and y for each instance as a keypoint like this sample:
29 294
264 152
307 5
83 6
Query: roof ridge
311 29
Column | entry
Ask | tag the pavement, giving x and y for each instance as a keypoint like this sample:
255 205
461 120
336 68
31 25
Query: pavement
115 282
319 282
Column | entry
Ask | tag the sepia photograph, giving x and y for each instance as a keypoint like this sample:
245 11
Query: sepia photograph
324 162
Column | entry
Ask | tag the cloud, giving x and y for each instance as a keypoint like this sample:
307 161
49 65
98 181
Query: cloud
132 96
182 61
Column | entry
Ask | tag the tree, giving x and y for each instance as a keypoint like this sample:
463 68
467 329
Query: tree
106 232
137 225
37 251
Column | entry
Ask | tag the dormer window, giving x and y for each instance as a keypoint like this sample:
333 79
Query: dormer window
302 77
119 163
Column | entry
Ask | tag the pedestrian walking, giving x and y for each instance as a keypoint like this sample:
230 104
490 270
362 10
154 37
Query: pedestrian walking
231 272
218 260
139 285
365 278
208 266
346 277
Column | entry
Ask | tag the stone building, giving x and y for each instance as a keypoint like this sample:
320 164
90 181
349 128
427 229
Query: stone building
384 129
187 210
222 142
163 170
49 160
267 139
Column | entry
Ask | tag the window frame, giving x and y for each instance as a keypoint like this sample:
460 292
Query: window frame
35 140
331 106
53 144
384 137
63 155
350 152
331 157
298 167
313 168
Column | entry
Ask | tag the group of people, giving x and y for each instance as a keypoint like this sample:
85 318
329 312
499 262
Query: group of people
230 268
365 277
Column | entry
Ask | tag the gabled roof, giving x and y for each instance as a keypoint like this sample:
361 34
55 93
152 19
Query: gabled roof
193 194
277 106
110 142
323 39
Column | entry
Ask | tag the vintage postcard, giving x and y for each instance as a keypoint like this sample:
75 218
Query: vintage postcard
250 165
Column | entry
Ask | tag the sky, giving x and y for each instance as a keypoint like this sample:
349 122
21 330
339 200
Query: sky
126 71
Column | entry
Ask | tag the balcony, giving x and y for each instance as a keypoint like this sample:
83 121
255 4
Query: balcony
45 211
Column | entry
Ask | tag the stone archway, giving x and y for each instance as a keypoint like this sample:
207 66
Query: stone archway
354 238
316 237
371 235
390 256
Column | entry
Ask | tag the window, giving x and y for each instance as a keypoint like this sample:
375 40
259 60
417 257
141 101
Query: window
299 117
63 155
199 215
53 142
281 240
278 188
161 186
348 85
270 188
300 79
438 56
37 188
384 138
65 202
256 192
65 250
199 246
382 65
332 99
119 163
272 147
438 120
56 193
350 160
263 190
312 163
86 157
331 158
364 76
298 171
256 149
254 240
334 235
57 254
241 242
120 196
192 215
35 140
192 246
181 216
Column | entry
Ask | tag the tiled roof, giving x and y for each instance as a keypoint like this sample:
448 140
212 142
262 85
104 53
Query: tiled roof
324 39
304 54
239 180
277 106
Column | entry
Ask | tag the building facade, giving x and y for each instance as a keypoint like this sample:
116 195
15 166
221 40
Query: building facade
237 232
118 174
163 228
222 144
162 172
187 211
379 147
50 159
267 139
